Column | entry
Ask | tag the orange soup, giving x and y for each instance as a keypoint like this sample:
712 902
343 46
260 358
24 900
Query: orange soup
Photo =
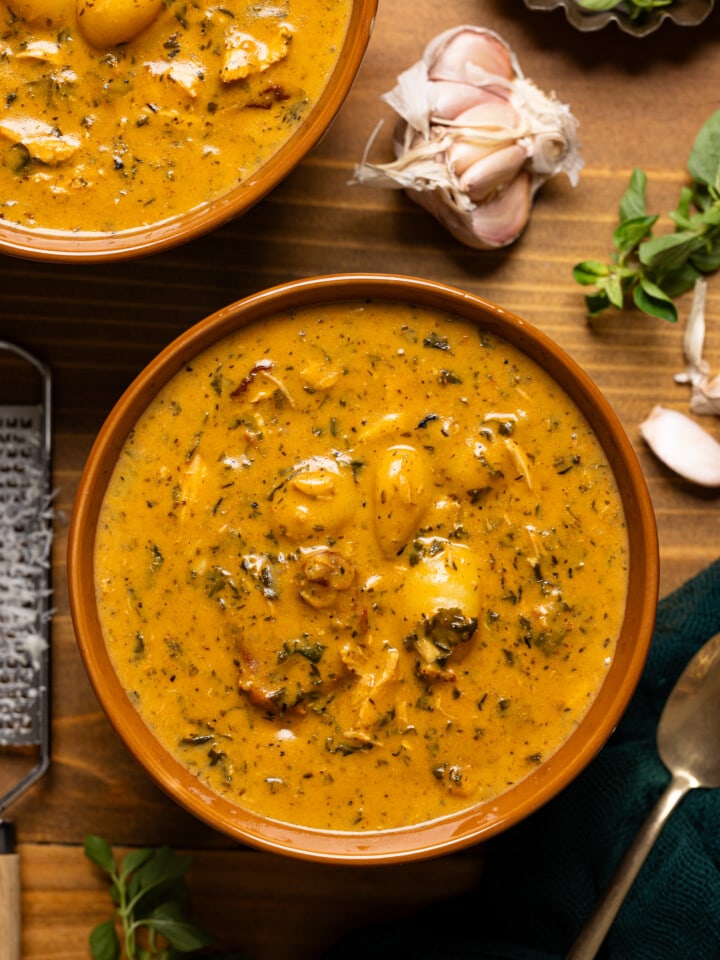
123 113
361 566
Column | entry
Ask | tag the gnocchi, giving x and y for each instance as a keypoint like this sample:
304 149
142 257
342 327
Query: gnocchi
361 567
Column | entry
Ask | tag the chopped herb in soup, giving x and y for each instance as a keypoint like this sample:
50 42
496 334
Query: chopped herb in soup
361 566
119 113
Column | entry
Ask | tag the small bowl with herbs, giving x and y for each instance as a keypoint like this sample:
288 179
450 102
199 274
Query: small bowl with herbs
636 17
363 568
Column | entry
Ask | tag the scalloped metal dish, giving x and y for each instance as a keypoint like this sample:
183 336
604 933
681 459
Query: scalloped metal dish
685 13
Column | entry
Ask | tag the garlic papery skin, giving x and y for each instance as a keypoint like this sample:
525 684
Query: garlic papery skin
705 396
476 139
683 445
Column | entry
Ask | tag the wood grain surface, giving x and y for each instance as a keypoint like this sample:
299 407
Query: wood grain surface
639 103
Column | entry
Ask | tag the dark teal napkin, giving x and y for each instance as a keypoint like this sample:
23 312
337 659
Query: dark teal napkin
544 876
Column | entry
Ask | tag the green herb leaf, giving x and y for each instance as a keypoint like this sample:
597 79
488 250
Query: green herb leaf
652 271
628 234
183 935
634 9
589 271
163 865
596 303
100 852
159 879
599 4
632 204
614 289
710 217
133 860
150 897
104 943
681 215
650 299
706 259
669 252
680 281
704 160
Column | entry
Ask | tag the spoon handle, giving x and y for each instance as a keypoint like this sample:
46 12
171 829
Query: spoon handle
593 933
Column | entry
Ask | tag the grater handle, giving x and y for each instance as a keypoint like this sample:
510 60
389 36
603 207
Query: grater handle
9 895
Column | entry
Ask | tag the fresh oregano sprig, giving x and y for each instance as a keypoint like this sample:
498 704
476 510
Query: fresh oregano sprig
650 270
634 8
150 894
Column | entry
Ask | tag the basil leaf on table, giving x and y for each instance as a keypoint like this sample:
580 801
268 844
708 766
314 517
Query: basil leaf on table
704 160
150 895
651 271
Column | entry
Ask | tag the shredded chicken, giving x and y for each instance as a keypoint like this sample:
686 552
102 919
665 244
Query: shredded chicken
42 142
375 686
185 74
246 54
45 51
519 459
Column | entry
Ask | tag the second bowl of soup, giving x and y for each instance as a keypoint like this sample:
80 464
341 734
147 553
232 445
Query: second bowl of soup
129 127
363 568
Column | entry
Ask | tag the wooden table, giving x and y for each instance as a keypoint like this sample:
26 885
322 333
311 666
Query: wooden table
639 103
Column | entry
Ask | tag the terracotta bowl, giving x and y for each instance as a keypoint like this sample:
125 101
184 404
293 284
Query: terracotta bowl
452 832
40 244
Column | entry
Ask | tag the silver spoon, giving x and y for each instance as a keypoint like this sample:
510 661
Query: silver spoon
688 741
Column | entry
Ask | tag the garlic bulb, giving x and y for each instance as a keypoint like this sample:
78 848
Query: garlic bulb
683 445
705 396
476 139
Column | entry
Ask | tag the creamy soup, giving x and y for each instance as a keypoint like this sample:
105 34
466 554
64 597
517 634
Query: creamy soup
361 566
121 113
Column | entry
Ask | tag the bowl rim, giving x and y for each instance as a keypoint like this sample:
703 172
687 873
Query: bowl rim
478 822
58 245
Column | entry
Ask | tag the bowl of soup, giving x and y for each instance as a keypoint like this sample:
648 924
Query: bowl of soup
363 568
130 126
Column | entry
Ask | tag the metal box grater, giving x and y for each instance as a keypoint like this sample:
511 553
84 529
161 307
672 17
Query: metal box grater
25 540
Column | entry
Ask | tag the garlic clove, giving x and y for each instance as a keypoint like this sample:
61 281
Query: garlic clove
501 220
479 131
464 153
470 55
493 171
495 119
487 226
683 445
448 100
